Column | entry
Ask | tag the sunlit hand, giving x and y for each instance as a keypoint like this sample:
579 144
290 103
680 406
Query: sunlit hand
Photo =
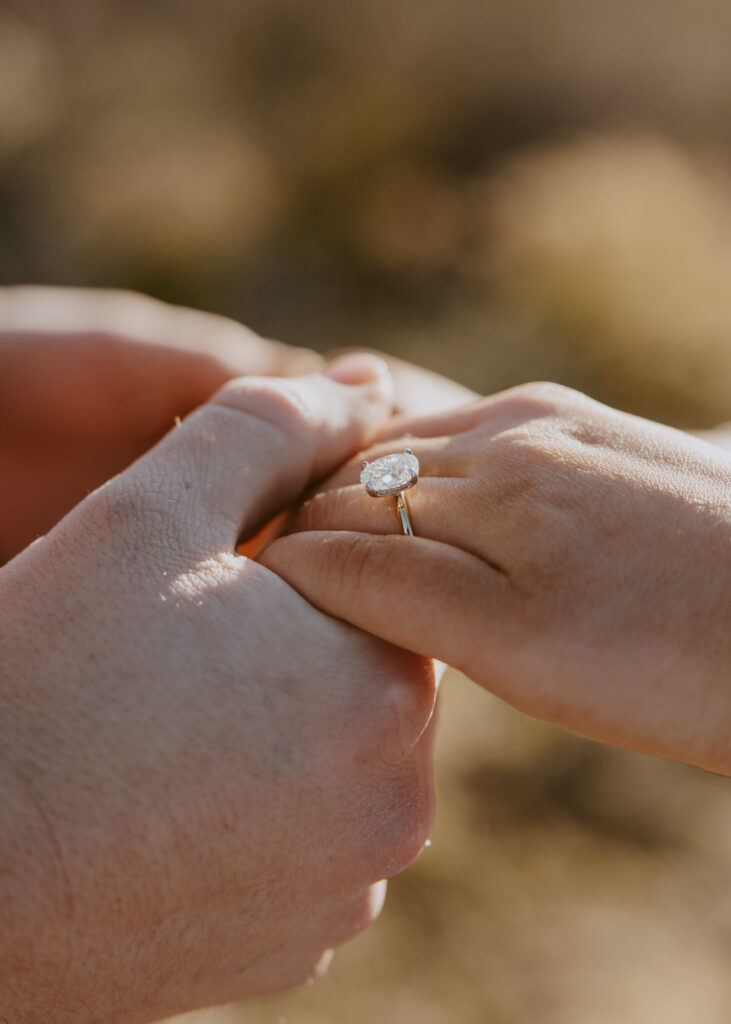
572 559
91 379
201 776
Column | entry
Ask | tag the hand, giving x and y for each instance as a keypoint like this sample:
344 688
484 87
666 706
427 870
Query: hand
89 380
202 775
572 559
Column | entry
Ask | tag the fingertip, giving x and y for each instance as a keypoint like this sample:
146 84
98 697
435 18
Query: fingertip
420 594
295 362
362 369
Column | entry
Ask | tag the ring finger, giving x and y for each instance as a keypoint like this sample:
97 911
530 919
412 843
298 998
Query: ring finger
445 509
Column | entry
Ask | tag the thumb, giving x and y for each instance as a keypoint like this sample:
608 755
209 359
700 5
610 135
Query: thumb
428 597
249 452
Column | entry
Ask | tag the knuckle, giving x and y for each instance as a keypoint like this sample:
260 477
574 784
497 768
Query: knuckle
543 396
546 391
127 514
403 755
409 817
321 511
120 507
359 565
389 709
280 404
391 748
407 705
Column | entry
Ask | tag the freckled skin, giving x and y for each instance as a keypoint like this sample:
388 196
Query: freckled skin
572 559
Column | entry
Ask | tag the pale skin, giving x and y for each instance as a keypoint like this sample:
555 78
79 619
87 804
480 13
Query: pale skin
573 560
202 775
203 778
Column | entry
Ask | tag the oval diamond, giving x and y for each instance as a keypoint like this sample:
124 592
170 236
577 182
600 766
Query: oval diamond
390 474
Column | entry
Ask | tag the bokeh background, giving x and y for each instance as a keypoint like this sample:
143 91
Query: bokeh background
502 190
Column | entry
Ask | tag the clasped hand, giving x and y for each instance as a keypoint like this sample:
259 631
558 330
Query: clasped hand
203 778
208 761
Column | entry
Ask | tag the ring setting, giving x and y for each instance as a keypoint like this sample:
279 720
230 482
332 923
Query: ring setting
392 475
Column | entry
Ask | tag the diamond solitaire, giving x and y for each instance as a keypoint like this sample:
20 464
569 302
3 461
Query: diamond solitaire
391 474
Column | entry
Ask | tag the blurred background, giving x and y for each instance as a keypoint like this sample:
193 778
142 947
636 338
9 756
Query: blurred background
502 190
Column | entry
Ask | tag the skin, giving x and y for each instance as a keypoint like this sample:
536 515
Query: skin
573 560
128 366
91 379
178 785
202 777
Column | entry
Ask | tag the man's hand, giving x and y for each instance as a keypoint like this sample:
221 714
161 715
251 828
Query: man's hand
420 392
89 380
202 776
574 560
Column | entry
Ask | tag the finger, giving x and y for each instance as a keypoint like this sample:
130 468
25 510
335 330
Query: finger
128 315
454 443
466 443
245 455
497 412
438 456
451 511
427 597
94 364
420 391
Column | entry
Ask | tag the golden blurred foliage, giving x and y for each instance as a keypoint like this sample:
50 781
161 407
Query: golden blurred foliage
503 191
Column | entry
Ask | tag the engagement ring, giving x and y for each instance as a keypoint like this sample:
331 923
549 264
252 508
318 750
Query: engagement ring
392 475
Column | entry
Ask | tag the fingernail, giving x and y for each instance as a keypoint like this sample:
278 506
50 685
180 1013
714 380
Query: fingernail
359 369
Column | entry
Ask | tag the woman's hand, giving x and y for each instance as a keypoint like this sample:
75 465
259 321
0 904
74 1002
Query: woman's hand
89 380
201 776
574 560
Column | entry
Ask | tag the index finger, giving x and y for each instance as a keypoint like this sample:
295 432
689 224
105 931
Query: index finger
128 316
94 363
507 408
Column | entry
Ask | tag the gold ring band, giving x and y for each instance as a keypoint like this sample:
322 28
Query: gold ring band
403 514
